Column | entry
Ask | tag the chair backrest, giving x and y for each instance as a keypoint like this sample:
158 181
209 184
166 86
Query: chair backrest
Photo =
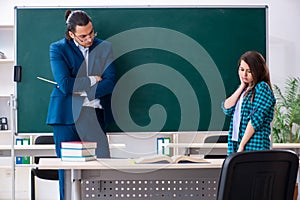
216 139
43 139
259 175
43 173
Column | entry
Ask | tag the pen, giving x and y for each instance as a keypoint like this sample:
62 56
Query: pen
46 80
49 81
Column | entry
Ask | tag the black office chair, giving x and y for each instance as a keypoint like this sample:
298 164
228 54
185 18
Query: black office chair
216 139
42 174
259 175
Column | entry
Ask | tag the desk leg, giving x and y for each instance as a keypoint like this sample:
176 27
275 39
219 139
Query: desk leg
72 184
68 185
76 184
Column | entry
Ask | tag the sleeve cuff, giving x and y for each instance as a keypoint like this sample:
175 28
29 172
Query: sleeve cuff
93 80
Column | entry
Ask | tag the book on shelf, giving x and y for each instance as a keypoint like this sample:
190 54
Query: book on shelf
77 151
23 159
79 144
161 145
171 159
79 158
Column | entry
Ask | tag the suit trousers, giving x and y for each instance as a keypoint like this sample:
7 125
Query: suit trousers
90 126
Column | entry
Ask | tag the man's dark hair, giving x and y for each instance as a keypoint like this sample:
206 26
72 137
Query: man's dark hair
75 18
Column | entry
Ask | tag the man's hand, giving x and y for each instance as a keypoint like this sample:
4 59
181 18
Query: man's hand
98 78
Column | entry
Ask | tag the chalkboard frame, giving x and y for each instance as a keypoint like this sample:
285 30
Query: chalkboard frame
23 109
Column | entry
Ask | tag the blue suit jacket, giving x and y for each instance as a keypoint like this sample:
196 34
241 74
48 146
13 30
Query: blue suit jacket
70 73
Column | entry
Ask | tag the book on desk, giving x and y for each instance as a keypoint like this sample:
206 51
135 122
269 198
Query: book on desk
78 151
79 144
170 159
78 158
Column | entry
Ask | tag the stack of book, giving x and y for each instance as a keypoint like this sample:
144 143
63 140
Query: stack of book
78 151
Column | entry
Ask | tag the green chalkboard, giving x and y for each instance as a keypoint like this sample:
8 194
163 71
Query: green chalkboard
174 65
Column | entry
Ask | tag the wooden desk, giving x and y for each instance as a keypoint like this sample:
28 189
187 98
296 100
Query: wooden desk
30 150
121 178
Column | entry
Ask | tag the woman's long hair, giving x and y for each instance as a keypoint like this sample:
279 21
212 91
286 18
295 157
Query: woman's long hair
259 69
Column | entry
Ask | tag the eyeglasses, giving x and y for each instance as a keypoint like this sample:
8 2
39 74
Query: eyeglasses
85 38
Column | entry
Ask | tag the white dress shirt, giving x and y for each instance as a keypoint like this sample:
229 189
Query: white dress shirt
96 102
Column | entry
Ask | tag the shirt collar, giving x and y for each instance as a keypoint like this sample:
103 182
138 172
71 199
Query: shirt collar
82 48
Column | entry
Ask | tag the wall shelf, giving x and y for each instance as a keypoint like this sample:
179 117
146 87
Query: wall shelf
6 27
5 132
4 61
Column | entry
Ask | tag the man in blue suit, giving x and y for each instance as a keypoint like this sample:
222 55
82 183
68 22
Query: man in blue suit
82 66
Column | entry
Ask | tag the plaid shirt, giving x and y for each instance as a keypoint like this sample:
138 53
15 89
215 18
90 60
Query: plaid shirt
260 112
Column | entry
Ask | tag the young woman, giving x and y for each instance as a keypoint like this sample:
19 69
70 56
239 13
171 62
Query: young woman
251 106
